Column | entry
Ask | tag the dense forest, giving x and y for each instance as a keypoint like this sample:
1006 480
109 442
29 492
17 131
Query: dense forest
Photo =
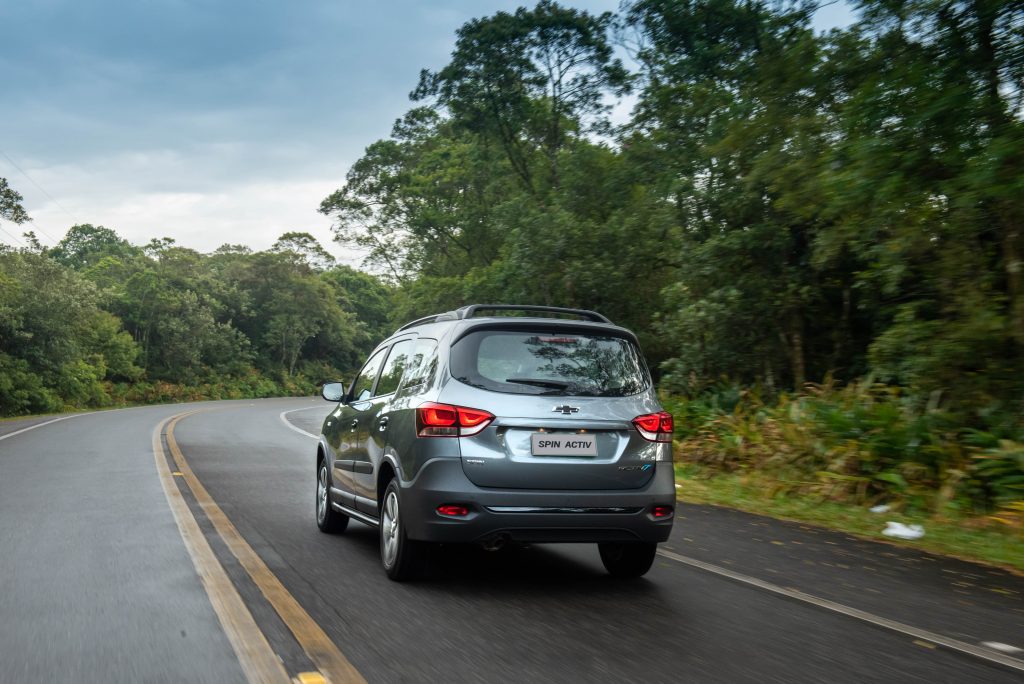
96 321
818 238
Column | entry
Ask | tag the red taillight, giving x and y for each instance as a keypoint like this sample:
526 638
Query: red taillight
661 511
438 415
655 427
442 420
470 418
453 510
648 423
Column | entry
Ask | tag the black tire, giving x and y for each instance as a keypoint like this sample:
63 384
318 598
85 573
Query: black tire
403 558
328 520
627 560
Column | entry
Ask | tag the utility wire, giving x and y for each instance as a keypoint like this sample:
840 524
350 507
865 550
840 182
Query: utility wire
12 237
42 190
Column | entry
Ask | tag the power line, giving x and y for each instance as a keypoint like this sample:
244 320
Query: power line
12 237
42 190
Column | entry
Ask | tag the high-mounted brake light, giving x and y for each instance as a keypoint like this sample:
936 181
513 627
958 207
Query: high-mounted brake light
655 427
442 420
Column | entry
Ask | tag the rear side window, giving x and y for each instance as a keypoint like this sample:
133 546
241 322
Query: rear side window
422 365
363 384
555 363
394 367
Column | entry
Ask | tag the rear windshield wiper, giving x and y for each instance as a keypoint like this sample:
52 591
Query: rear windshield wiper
541 382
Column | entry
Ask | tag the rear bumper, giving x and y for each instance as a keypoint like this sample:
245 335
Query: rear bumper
534 515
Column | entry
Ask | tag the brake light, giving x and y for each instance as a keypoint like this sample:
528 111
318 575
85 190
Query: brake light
471 418
655 427
442 420
662 511
437 415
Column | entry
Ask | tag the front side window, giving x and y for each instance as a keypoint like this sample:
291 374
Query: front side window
555 363
394 367
363 385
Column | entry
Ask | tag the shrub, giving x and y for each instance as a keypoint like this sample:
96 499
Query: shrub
861 443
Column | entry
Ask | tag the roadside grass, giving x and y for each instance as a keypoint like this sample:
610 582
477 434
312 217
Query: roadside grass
979 539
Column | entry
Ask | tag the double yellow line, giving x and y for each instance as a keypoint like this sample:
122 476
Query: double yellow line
258 660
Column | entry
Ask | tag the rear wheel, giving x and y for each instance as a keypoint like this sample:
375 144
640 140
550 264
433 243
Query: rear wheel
403 558
627 560
328 520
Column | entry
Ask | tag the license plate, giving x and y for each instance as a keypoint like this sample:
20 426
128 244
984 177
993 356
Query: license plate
562 444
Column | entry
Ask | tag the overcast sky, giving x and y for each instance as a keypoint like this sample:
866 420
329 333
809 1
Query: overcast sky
210 122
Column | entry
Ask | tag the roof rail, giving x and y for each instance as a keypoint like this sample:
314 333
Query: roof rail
472 309
447 316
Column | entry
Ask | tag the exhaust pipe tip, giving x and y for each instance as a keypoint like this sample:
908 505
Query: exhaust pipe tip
495 543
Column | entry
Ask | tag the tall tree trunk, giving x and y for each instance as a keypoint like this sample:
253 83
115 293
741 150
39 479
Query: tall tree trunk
1014 281
795 339
842 335
986 14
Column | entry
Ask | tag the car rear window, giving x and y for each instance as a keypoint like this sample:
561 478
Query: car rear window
555 363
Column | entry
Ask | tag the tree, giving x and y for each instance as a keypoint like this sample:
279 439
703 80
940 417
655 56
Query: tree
306 248
735 117
10 204
367 300
423 200
58 345
86 244
926 186
528 80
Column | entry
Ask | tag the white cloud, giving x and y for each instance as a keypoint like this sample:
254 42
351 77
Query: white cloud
216 122
129 194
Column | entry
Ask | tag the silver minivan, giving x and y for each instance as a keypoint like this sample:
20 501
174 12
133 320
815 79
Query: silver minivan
499 423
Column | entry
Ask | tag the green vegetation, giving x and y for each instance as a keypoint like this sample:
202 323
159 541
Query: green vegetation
96 321
956 535
829 454
782 208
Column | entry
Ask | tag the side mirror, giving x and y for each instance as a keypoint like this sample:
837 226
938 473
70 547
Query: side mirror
333 391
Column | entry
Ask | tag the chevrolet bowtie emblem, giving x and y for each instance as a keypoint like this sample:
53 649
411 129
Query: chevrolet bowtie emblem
566 409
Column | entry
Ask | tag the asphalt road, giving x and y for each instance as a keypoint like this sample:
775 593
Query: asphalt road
102 581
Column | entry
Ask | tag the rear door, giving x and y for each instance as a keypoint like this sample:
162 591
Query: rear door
373 426
564 404
400 436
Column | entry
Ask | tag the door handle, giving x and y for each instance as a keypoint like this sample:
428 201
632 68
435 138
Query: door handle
383 424
355 424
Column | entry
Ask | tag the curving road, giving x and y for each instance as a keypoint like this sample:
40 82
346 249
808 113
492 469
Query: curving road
147 545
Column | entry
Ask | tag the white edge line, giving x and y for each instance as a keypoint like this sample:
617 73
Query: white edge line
85 413
288 425
45 423
952 644
92 413
1005 648
132 408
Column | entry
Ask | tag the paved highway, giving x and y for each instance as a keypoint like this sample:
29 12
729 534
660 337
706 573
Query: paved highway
177 543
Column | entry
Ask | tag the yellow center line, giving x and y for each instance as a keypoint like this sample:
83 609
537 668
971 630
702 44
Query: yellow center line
330 661
258 661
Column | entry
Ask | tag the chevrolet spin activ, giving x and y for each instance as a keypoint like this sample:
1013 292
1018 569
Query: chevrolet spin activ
498 423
